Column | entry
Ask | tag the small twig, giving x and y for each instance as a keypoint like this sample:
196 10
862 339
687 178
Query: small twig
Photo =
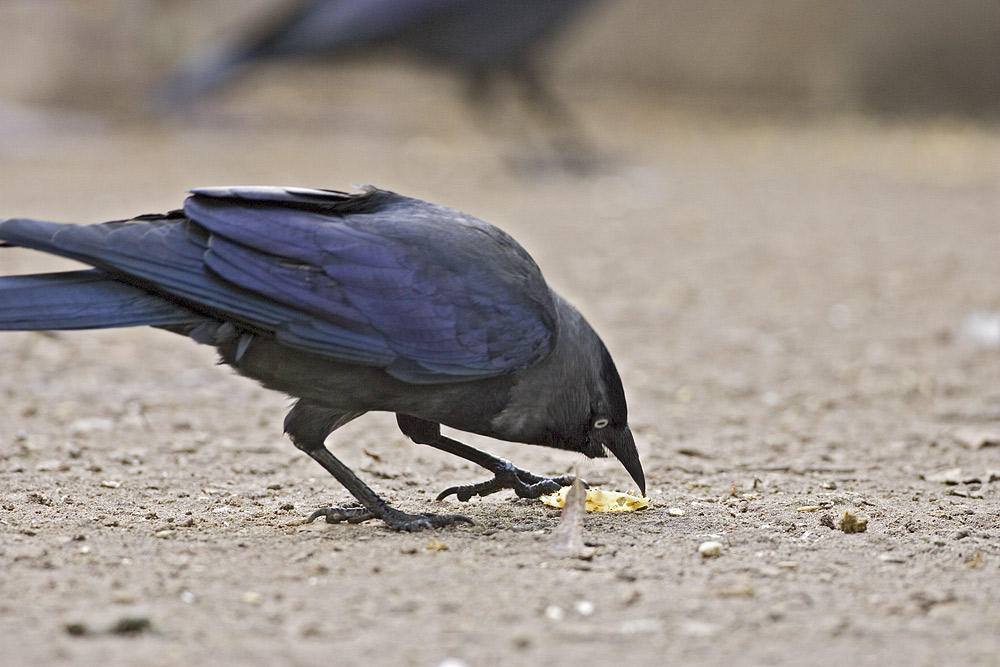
567 538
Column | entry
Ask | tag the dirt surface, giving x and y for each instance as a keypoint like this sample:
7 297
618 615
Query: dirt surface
804 316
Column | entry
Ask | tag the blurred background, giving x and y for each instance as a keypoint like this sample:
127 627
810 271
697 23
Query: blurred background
79 77
906 56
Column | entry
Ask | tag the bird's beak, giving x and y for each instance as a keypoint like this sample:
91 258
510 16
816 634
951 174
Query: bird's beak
622 445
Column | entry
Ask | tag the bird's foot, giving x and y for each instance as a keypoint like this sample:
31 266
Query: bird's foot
392 517
340 514
525 484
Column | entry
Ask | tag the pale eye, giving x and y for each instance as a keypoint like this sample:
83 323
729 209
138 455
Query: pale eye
601 422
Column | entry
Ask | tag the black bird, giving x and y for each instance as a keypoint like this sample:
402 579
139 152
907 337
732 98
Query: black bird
350 303
484 41
481 39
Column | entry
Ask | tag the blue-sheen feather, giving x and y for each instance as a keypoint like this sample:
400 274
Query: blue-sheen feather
428 293
380 278
82 300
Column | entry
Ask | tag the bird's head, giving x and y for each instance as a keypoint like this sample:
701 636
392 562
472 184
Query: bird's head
608 429
605 436
572 400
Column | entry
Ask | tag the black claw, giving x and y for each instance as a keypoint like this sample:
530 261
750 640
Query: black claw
539 489
464 493
525 484
395 519
339 514
398 520
567 480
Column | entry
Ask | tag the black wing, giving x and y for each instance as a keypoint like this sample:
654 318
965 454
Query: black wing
426 292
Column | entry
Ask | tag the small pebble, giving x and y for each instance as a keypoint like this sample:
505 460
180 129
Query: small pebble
453 662
891 558
555 613
128 623
91 425
710 549
252 598
584 607
676 511
131 624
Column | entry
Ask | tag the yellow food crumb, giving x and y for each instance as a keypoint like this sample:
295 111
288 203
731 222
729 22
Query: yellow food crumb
600 501
851 523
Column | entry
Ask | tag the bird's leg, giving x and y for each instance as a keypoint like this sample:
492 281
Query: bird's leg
491 112
532 123
506 475
308 425
373 507
569 141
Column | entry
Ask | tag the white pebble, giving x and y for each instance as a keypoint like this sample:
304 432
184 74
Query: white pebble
92 425
584 607
982 328
453 662
555 613
676 511
710 549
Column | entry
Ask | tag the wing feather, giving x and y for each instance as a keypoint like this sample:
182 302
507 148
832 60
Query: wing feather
426 292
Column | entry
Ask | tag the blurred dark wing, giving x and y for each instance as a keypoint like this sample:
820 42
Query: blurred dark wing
330 26
313 27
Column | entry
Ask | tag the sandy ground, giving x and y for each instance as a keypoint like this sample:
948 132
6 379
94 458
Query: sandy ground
804 313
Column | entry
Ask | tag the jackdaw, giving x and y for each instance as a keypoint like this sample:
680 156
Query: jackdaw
349 303
485 41
481 39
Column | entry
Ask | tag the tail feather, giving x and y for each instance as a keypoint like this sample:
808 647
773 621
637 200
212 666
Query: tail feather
83 300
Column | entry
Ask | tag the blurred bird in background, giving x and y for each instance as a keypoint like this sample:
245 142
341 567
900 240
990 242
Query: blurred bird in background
487 42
